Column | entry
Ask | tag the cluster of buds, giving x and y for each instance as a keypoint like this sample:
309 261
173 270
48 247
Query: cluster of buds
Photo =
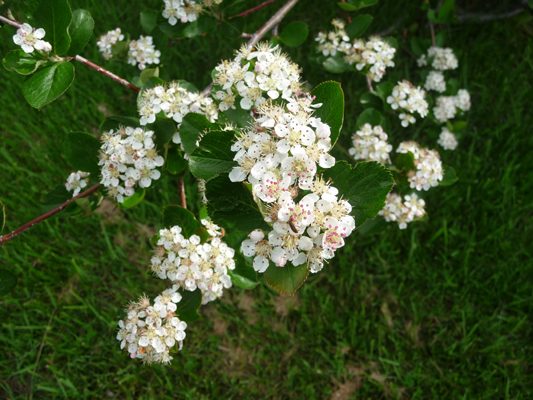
189 264
106 42
278 155
405 211
186 10
375 52
447 139
128 157
370 143
149 331
427 163
435 81
255 75
409 99
176 102
29 39
443 59
143 52
77 181
447 106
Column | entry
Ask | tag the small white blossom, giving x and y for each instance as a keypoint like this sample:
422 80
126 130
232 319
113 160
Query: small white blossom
370 143
143 52
403 212
408 99
443 59
29 39
77 181
435 81
445 108
429 171
447 139
106 42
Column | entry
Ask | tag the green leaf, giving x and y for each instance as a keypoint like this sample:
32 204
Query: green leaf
203 234
231 28
22 62
132 201
48 84
149 73
58 196
331 96
119 50
432 16
417 46
287 279
391 41
164 129
187 308
239 117
244 274
294 34
405 162
113 123
175 161
336 64
201 25
369 116
373 226
365 3
231 205
459 126
213 156
530 3
440 39
371 100
365 187
358 26
149 20
81 151
450 177
384 90
54 17
447 11
8 281
187 85
191 128
347 6
176 215
81 30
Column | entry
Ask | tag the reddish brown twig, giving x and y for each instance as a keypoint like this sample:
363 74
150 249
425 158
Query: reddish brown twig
251 10
90 64
107 73
181 188
348 18
369 83
27 226
432 30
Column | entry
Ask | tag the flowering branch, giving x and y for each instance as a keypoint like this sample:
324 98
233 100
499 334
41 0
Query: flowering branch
59 208
251 10
347 13
82 60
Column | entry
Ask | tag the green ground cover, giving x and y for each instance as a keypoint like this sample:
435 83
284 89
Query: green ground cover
441 310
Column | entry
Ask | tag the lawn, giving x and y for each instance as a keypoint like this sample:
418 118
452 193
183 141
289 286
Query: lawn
441 310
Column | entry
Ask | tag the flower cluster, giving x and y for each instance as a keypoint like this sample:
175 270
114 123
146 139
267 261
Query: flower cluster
29 39
409 99
185 10
427 163
149 332
375 52
443 59
128 157
435 81
143 52
190 264
77 181
255 75
447 106
370 143
278 155
447 139
404 211
106 42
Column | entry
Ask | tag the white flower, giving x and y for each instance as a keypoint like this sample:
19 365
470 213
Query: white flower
435 81
370 143
403 212
105 42
445 108
77 181
447 139
29 39
429 169
143 52
408 99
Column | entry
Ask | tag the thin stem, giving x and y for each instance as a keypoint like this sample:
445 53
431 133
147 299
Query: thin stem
59 208
90 64
348 18
274 20
432 30
107 73
369 83
251 10
181 188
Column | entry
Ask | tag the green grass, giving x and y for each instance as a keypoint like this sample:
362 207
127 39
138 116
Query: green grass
441 310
